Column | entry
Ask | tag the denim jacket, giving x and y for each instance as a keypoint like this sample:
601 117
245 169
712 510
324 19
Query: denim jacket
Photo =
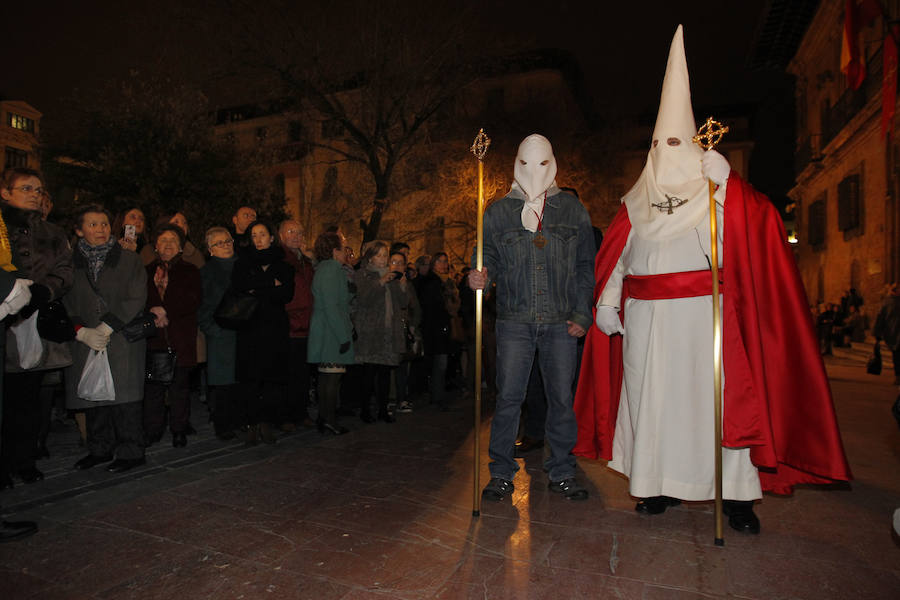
552 284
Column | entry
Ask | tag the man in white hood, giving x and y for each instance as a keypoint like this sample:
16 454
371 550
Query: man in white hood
645 395
539 249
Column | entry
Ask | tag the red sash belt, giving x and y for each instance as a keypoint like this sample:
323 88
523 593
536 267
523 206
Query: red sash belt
666 286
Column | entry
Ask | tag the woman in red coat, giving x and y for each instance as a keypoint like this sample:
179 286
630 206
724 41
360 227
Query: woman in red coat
174 293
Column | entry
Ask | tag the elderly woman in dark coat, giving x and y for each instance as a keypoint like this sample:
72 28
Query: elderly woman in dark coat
173 295
108 291
41 253
221 343
264 344
382 296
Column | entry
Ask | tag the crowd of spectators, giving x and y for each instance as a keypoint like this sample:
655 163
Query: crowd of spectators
368 338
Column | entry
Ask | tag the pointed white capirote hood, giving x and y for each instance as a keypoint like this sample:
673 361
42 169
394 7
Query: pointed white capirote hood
672 174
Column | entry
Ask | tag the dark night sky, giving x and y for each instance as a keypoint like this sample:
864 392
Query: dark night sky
51 47
54 46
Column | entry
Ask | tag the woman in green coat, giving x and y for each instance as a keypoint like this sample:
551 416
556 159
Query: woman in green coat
330 341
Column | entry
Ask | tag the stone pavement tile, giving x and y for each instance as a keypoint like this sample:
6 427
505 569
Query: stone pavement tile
758 575
249 535
88 558
399 567
658 592
693 567
515 580
244 492
22 584
202 574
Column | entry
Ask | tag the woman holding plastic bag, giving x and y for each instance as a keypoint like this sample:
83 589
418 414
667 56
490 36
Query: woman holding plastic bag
40 252
109 290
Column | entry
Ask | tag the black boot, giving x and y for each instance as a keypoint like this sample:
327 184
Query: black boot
656 505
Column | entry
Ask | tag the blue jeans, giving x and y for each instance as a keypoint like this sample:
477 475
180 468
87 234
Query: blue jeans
516 346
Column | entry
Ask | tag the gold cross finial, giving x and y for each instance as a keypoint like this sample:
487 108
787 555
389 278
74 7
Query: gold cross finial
480 145
710 134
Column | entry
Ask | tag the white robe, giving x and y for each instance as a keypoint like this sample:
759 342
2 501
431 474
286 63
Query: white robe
664 438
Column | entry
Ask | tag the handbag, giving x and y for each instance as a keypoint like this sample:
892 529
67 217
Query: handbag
873 367
96 383
54 324
160 366
141 327
235 309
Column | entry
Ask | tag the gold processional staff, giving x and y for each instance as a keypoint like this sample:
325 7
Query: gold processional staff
479 149
710 134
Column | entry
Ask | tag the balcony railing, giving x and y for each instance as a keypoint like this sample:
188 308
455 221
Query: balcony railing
852 101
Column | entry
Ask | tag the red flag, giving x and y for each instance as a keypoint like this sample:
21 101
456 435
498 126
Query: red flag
852 64
889 81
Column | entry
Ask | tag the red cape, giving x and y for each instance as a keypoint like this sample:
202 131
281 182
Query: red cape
777 399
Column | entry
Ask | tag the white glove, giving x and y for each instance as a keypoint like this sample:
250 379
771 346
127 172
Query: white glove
19 297
93 337
607 320
104 329
715 167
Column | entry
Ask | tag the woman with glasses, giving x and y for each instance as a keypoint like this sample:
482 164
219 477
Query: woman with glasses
221 343
263 345
40 252
174 294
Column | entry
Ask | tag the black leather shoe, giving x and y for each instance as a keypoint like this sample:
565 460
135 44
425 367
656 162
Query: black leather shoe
189 430
6 481
386 417
656 505
741 516
366 417
11 531
120 465
497 489
91 461
179 440
570 488
527 444
30 475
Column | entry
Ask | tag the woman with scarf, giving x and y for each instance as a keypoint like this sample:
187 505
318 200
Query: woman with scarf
382 295
108 291
263 345
173 295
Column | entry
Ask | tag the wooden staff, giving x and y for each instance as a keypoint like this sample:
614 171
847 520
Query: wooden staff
710 134
479 149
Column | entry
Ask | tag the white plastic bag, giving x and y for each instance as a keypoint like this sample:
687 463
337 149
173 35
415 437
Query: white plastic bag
96 383
28 342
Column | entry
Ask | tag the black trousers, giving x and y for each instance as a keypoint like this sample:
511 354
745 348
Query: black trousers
294 408
377 379
261 400
115 430
223 403
21 420
179 404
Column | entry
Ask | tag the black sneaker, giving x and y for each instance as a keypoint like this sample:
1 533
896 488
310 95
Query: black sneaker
497 489
570 487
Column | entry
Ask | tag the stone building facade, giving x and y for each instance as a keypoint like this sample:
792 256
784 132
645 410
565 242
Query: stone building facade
845 196
432 201
19 129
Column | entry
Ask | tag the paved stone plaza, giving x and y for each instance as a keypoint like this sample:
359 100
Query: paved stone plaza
385 512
